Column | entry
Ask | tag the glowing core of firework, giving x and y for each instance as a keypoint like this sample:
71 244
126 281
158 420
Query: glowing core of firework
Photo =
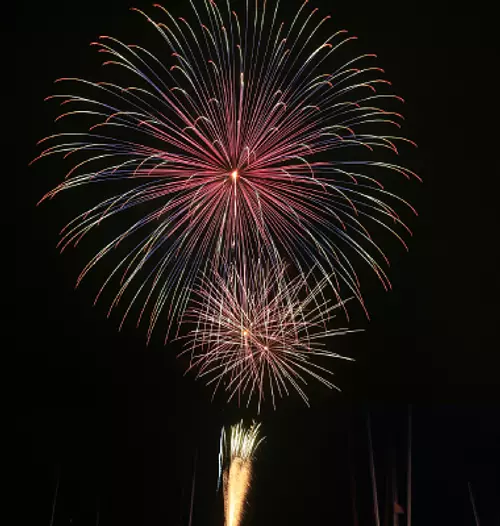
234 175
238 456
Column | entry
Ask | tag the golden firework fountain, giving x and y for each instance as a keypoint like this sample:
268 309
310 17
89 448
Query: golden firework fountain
236 457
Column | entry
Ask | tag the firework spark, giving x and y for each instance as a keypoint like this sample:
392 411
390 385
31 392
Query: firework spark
240 139
237 454
259 332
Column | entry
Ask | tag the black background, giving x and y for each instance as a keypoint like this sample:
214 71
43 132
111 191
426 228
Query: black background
119 424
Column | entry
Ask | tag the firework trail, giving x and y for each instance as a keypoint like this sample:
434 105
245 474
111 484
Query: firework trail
239 138
238 453
259 333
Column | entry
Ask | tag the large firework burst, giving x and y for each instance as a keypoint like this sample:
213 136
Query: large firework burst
236 457
259 333
239 138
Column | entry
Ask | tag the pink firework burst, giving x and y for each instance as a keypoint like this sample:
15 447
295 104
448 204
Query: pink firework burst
240 138
258 333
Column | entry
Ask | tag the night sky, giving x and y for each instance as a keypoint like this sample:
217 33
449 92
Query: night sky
118 422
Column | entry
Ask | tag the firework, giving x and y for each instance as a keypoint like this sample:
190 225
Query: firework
237 456
259 332
239 138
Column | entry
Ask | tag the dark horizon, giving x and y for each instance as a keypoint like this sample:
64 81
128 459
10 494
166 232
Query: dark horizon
119 420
